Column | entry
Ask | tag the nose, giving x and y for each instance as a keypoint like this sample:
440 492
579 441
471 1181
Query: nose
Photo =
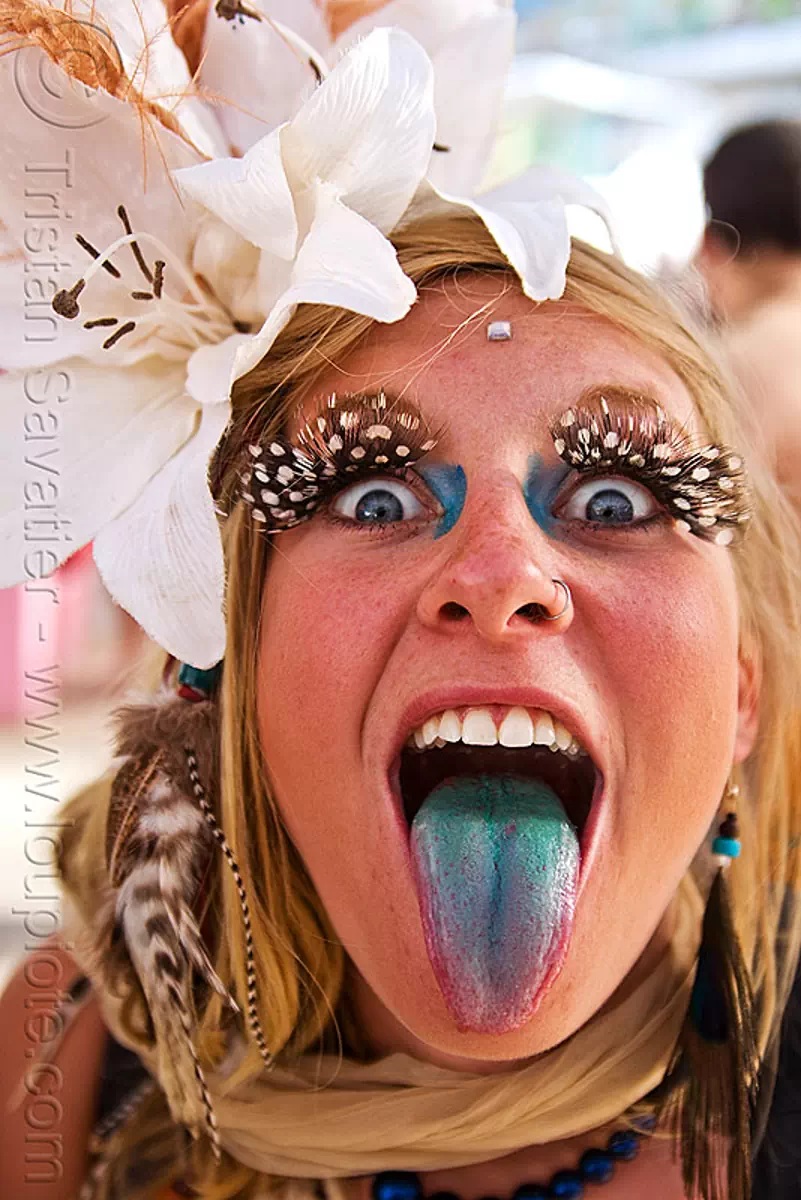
500 577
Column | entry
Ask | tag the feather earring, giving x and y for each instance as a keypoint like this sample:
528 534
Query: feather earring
709 1090
158 848
161 835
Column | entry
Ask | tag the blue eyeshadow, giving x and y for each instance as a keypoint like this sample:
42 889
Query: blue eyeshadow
449 485
541 488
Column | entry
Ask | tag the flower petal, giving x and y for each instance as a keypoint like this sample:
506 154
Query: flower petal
154 66
433 23
369 128
260 74
209 371
230 265
345 262
162 558
83 440
528 221
249 194
471 44
469 81
535 239
545 182
54 186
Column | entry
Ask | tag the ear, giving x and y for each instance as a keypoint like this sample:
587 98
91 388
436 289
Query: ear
712 250
749 683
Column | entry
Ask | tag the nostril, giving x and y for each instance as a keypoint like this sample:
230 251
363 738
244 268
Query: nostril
453 612
531 612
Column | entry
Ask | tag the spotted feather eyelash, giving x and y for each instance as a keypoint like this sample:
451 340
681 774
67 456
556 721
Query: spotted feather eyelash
286 481
704 488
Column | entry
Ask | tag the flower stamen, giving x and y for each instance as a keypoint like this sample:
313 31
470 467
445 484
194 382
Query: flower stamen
119 333
65 302
90 249
137 253
229 10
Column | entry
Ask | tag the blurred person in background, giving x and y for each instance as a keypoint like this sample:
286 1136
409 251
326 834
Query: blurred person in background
750 257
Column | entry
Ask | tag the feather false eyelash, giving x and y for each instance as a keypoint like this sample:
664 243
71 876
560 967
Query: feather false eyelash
286 480
704 488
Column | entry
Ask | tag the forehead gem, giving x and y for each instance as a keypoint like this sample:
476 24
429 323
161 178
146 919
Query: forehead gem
499 331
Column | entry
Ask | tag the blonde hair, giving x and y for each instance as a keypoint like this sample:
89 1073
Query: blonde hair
299 962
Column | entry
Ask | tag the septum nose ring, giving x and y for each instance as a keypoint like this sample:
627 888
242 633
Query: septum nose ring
568 603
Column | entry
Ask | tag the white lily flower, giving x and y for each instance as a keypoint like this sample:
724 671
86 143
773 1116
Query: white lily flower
149 362
186 269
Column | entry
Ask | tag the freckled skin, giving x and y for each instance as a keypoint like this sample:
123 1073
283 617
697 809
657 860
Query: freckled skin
355 628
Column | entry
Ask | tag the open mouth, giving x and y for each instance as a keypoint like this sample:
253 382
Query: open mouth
500 805
556 759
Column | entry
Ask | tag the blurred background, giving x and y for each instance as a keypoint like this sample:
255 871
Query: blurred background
633 94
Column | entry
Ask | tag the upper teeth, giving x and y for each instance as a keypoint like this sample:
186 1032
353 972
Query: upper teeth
478 727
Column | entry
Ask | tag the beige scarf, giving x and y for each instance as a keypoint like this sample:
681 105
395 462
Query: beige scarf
405 1114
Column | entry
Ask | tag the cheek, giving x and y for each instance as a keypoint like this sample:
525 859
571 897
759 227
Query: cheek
670 657
328 627
673 633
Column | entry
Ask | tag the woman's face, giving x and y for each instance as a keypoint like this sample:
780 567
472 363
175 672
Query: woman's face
491 898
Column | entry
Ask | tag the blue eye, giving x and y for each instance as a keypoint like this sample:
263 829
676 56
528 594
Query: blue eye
378 502
610 502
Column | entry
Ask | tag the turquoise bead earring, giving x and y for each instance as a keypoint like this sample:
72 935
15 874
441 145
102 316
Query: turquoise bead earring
726 845
708 1093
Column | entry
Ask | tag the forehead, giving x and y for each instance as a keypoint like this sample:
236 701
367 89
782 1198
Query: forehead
439 357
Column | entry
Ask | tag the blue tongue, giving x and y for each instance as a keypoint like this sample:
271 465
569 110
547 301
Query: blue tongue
497 865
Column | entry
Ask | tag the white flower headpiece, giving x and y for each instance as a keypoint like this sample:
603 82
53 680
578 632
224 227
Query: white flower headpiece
188 261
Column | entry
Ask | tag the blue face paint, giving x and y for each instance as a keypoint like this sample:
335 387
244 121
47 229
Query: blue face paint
541 488
449 485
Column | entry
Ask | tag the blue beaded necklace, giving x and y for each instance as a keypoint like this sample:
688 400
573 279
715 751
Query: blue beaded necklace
595 1166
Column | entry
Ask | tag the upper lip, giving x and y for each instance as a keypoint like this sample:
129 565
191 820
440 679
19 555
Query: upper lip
427 704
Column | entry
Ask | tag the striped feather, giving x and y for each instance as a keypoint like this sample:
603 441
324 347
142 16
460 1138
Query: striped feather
161 834
166 849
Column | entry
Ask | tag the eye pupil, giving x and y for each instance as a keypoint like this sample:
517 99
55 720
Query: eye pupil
610 507
380 507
